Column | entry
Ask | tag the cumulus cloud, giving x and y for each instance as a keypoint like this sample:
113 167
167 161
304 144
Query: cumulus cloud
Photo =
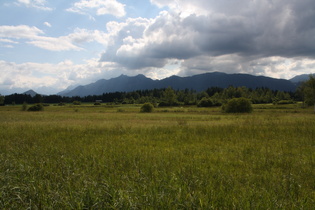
213 35
38 4
98 7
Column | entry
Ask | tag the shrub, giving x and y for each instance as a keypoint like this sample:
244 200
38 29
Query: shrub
36 107
76 102
238 105
205 102
24 106
147 107
97 104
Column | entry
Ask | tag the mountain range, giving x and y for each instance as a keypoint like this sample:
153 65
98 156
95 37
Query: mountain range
199 82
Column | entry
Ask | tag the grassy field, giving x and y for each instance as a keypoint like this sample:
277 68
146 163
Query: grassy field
113 157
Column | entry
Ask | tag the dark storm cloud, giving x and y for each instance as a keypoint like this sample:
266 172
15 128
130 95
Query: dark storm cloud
254 29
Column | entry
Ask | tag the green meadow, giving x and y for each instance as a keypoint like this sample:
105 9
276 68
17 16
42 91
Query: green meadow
114 157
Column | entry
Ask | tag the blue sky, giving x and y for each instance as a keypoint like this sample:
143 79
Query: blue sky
48 45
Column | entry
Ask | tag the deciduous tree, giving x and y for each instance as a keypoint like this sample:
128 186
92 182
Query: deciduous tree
309 91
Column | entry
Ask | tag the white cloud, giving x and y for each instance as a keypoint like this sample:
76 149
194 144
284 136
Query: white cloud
54 44
63 43
83 36
19 32
8 41
47 24
99 7
38 4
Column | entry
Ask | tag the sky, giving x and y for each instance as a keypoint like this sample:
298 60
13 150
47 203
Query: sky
50 45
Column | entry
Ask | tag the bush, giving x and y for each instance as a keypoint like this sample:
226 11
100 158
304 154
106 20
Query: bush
76 102
205 102
24 106
97 104
147 107
36 107
238 105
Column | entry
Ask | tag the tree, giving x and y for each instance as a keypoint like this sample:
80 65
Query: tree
38 98
309 91
169 97
1 100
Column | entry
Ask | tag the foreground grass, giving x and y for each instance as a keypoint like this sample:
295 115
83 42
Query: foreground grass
176 158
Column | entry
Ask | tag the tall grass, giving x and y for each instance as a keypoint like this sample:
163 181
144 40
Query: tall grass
189 159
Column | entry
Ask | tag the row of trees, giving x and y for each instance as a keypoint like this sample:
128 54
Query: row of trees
214 96
164 97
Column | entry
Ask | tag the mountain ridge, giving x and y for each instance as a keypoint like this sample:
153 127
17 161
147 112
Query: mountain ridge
301 78
198 82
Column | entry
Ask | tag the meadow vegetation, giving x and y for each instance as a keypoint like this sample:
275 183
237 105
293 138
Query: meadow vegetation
86 156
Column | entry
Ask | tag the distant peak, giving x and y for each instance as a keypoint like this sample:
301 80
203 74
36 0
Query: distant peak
140 75
30 92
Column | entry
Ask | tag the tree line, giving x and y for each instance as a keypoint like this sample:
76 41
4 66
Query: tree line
167 97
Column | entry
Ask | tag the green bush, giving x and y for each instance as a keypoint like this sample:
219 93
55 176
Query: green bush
76 102
24 106
36 107
147 107
238 105
205 102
